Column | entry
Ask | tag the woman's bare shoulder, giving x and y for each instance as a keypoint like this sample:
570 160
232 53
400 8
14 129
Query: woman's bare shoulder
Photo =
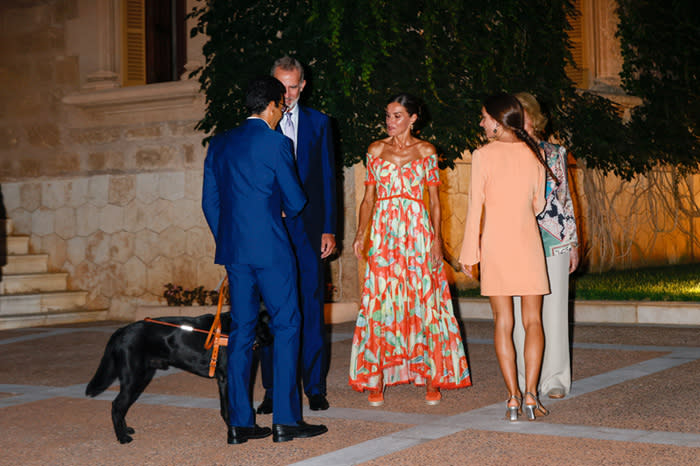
426 149
377 147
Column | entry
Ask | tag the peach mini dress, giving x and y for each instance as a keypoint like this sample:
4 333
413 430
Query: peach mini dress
508 183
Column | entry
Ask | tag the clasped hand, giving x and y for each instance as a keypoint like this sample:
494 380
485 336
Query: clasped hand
471 271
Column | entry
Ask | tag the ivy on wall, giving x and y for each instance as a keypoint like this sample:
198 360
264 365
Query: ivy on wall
661 51
452 54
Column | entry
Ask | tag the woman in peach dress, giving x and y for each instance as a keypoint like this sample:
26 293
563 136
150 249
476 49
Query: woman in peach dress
507 182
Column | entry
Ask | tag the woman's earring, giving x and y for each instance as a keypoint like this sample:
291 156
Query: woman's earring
495 129
411 127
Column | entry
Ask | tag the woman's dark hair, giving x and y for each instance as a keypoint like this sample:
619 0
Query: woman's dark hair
413 105
507 110
261 91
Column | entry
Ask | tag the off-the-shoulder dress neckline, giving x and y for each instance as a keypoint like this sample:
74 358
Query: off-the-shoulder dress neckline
404 164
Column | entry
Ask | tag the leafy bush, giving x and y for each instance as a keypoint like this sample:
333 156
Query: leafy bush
177 296
660 47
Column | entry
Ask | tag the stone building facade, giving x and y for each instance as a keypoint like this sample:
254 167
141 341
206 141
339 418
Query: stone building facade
106 179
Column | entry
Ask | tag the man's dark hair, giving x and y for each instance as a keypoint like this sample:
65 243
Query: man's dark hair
261 91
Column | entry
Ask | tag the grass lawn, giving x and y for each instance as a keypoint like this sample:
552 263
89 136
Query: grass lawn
667 283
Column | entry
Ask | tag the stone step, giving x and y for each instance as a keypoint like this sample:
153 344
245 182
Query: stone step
40 303
67 316
26 263
34 282
17 245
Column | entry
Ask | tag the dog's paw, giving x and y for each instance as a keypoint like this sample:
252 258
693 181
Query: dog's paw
125 437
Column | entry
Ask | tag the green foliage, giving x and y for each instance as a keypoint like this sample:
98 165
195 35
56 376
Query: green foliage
660 47
453 54
358 53
175 295
674 283
594 134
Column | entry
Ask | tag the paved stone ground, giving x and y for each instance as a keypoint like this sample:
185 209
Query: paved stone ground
634 401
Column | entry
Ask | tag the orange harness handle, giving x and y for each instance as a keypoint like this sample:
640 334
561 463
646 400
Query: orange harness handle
215 331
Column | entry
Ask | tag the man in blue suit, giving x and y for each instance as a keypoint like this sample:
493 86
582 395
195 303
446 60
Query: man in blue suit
312 232
249 179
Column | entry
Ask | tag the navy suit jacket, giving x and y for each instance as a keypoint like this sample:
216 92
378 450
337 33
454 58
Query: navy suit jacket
316 165
250 177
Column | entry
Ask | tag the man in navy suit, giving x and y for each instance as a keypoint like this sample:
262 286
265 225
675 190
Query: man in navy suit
250 178
312 232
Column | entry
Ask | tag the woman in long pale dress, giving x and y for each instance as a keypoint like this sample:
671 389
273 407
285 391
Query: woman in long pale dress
558 231
507 182
406 331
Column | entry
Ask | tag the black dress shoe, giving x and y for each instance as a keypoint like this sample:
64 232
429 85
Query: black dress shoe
318 402
242 434
265 407
285 433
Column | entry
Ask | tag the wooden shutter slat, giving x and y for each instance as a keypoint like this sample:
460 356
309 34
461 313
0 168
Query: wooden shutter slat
134 42
576 74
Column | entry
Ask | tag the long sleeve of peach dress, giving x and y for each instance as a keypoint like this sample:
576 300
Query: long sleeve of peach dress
507 184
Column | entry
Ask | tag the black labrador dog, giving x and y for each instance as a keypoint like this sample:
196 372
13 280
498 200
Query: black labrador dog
135 351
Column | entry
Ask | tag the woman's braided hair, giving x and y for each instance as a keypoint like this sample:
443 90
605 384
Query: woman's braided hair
507 110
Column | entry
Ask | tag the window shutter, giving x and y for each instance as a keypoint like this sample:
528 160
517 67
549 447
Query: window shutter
577 75
134 42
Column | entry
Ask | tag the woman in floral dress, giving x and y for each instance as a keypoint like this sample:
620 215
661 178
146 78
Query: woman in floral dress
406 330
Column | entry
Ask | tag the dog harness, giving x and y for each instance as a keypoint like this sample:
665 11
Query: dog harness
215 338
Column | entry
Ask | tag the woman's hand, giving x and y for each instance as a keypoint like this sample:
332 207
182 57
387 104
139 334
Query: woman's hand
436 254
471 271
358 246
573 259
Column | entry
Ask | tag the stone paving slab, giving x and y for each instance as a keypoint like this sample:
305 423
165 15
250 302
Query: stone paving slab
497 448
634 401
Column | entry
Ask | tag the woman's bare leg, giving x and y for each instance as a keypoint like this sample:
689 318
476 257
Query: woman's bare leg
502 307
534 342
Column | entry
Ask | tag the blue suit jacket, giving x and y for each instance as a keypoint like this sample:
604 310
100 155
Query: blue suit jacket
249 179
316 165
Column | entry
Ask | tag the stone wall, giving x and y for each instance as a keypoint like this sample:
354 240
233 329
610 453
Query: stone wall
636 223
123 236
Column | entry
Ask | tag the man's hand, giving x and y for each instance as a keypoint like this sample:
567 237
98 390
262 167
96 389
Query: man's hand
327 244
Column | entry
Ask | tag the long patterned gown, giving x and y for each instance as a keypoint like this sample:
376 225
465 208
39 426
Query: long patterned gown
406 328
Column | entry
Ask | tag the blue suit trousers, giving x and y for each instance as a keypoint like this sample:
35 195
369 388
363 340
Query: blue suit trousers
278 286
313 343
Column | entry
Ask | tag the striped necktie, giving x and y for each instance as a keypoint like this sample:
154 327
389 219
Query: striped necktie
288 130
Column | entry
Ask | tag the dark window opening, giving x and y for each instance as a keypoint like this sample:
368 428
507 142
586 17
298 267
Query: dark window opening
165 40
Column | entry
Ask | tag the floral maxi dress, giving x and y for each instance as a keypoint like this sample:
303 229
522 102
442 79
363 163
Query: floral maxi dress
406 329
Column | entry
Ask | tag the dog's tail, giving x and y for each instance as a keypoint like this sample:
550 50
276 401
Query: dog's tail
107 371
